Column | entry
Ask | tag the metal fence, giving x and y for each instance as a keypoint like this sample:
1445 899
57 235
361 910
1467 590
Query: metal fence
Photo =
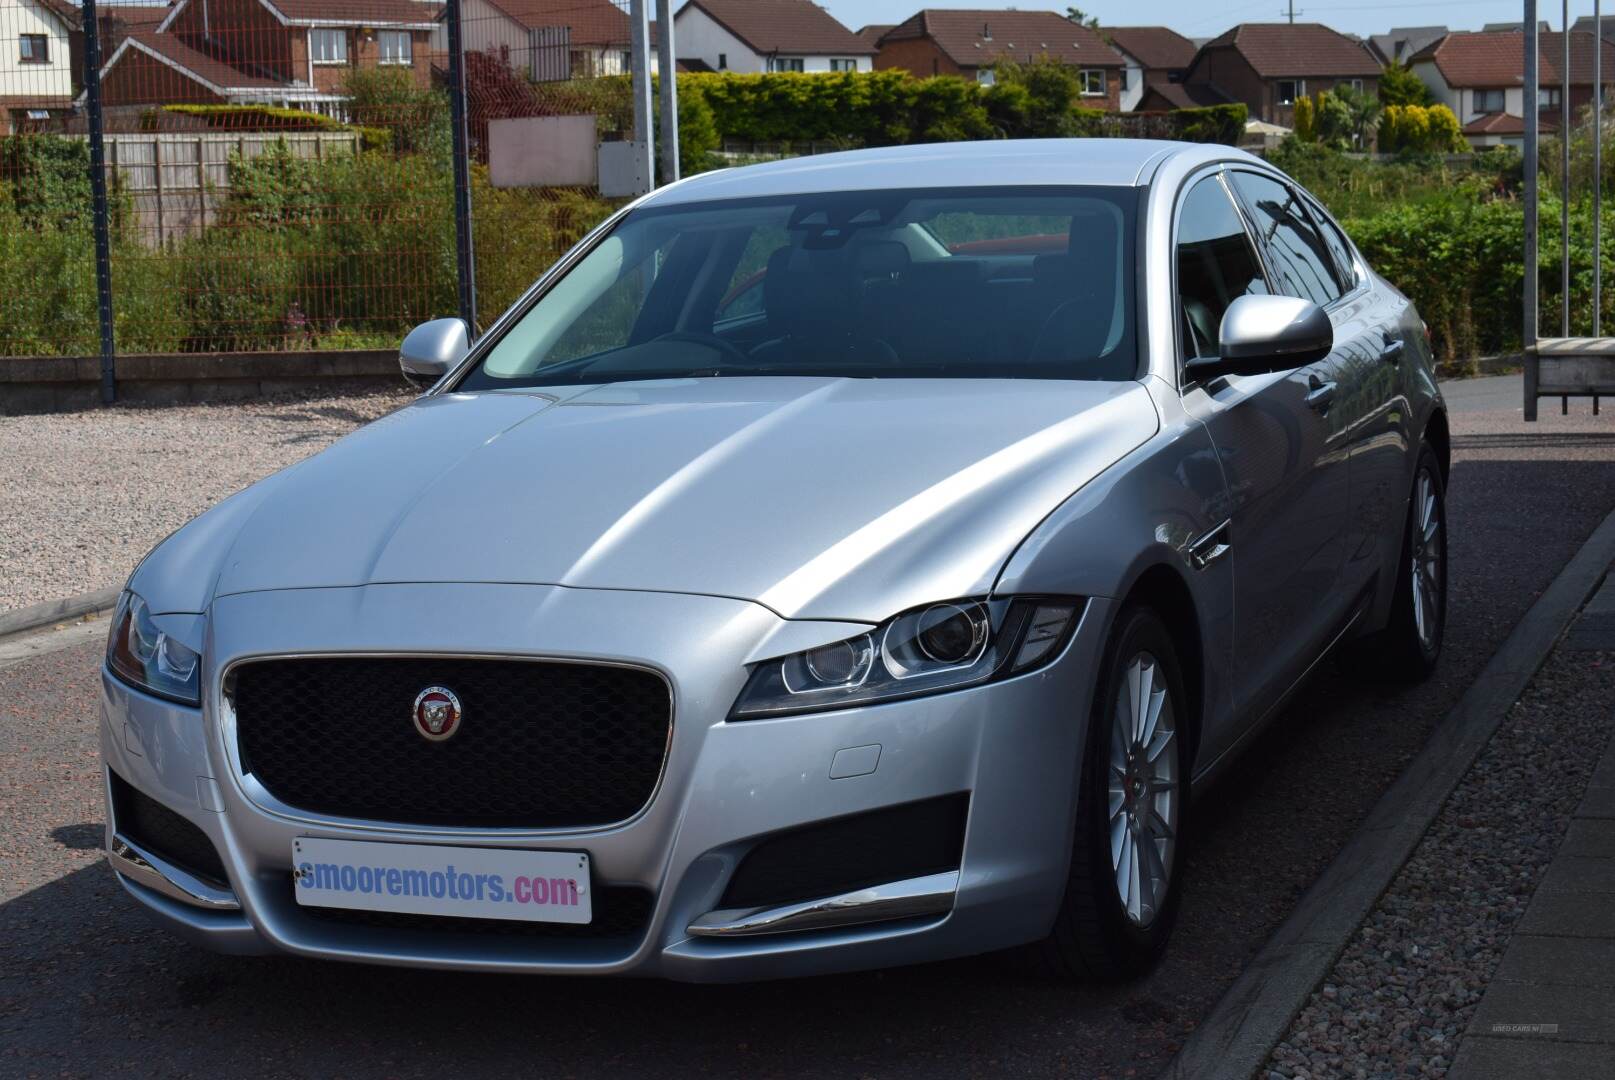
247 175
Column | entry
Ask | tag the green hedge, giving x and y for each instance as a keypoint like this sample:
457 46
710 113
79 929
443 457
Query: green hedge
883 108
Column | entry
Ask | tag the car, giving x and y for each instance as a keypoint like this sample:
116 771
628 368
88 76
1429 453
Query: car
829 564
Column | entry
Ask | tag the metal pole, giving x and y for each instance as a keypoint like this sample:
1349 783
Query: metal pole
464 244
1598 165
1564 177
669 87
1530 169
645 142
98 197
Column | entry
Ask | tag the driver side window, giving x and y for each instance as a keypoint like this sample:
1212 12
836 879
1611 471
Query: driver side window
1215 265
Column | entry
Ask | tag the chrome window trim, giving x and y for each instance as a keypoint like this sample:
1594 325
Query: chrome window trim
1308 202
260 799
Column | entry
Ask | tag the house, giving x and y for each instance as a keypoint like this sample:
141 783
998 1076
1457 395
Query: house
1480 77
872 33
1153 54
36 70
768 35
281 52
549 40
1401 42
116 21
1269 65
968 43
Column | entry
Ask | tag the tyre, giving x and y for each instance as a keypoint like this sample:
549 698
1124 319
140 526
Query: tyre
1410 644
1122 889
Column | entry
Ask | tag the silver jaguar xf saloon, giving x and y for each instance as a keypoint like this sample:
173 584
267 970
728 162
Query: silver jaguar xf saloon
829 564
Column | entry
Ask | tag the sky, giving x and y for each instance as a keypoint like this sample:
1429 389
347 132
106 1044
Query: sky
1197 18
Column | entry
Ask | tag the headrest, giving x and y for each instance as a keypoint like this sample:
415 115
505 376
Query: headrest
882 257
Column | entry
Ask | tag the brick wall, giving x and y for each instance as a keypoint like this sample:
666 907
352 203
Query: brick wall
920 56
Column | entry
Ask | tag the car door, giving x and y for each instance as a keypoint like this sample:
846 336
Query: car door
1283 456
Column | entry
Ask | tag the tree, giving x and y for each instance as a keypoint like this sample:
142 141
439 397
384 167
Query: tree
1082 18
1365 112
1399 86
1334 121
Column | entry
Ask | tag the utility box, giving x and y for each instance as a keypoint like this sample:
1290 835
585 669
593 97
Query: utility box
622 169
542 151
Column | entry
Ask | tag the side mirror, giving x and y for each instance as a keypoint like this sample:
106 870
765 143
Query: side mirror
1260 334
431 350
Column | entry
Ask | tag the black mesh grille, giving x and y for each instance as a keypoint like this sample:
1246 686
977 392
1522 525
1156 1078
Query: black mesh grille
620 912
852 852
540 744
161 831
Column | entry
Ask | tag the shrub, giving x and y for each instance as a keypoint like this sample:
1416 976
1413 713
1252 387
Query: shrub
947 109
1305 129
387 99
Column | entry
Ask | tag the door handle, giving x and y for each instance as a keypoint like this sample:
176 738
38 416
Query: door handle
1321 396
1392 352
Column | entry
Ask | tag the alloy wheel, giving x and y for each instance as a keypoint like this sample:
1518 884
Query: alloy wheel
1143 789
1426 559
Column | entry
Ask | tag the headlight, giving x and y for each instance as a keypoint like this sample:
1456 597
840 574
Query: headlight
147 657
925 651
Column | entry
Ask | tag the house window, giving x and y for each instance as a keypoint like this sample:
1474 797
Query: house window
1093 82
397 46
785 63
1290 89
984 76
35 49
1357 85
1548 97
1489 101
723 61
328 46
625 61
843 65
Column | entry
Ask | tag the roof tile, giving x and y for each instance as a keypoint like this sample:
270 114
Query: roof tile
1152 46
1282 50
976 38
787 27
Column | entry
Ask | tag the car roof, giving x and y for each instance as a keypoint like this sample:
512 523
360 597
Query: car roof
1032 162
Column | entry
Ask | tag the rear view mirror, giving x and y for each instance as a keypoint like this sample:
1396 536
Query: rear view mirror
1261 334
432 349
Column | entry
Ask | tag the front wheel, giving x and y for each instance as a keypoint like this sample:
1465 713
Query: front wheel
1122 890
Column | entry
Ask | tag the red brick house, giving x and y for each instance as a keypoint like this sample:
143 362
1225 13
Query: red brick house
282 52
1269 65
1481 78
968 43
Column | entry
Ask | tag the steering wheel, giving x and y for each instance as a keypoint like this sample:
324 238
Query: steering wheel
727 349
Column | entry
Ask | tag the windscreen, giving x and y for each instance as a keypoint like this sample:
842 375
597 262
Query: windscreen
962 283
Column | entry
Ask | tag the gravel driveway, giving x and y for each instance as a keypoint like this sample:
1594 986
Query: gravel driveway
87 494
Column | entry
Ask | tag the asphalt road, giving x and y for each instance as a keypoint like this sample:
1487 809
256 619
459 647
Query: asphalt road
87 987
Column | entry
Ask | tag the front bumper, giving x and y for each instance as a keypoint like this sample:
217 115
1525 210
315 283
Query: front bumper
1014 747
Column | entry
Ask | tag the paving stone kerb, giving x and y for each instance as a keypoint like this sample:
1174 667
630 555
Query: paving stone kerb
71 383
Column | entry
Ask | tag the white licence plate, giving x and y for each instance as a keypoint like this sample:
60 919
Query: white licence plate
430 879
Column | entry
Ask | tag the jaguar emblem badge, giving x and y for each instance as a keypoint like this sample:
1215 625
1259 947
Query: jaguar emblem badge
437 713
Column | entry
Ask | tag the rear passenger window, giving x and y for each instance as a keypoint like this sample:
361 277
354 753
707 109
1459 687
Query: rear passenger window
1216 264
1302 264
1335 240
